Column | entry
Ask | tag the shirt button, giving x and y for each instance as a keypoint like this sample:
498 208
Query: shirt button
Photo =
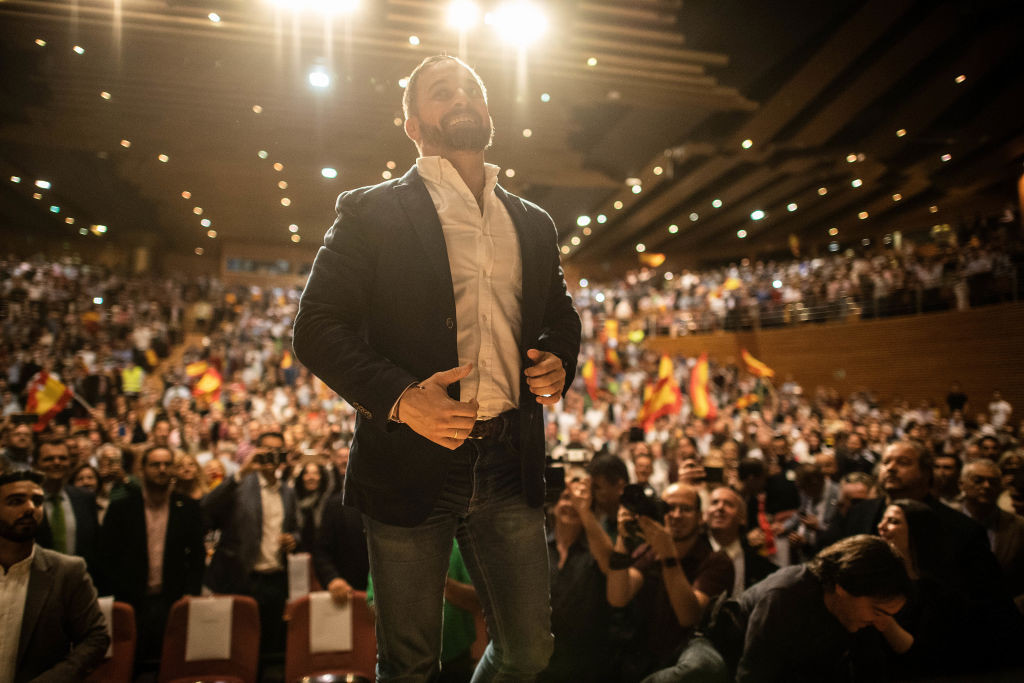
449 323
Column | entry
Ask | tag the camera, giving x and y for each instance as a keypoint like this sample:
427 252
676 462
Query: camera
271 457
637 501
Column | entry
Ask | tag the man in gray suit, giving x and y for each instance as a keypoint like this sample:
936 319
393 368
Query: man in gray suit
51 627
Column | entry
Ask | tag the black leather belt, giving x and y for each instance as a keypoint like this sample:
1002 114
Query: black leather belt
495 427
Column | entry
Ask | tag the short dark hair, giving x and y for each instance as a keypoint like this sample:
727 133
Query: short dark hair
264 435
750 467
610 467
145 453
863 565
21 475
410 98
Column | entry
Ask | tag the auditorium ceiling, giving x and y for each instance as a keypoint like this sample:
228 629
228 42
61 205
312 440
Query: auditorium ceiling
702 130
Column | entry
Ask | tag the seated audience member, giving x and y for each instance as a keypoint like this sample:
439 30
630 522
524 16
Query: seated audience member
853 488
669 585
770 501
855 456
152 546
256 516
806 623
189 478
946 479
1011 464
339 550
578 551
643 469
981 482
608 478
312 487
71 523
726 518
111 465
818 497
52 629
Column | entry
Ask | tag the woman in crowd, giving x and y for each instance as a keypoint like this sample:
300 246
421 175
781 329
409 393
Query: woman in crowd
311 493
87 477
190 480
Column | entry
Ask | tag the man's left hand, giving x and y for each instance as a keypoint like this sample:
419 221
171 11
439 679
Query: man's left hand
658 537
287 542
546 377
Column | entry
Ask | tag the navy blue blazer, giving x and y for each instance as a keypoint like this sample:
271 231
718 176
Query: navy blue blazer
236 509
378 313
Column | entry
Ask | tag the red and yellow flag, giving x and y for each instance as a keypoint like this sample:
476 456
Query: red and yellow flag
703 405
756 367
286 359
47 396
589 373
209 385
663 397
197 369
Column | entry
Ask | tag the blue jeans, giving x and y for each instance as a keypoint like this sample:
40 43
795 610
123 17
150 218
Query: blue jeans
503 545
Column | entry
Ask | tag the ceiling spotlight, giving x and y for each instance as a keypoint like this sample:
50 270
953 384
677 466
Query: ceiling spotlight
694 217
960 79
617 205
637 189
397 121
756 215
591 61
15 178
285 201
527 133
673 229
933 209
946 157
262 154
584 282
544 97
296 238
463 14
40 42
565 249
850 158
79 49
212 234
126 143
198 211
856 182
319 78
833 231
54 208
414 40
293 228
205 222
519 22
510 173
214 17
791 207
657 170
198 251
575 240
105 95
329 172
901 132
742 234
386 175
822 191
641 248
862 215
583 221
186 194
69 220
283 185
162 158
717 203
587 231
402 82
747 144
278 166
601 218
896 197
43 184
391 167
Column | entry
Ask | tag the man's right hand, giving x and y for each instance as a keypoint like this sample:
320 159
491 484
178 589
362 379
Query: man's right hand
340 590
433 414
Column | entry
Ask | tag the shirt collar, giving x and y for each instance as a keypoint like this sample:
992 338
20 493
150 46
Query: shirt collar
273 487
22 566
439 171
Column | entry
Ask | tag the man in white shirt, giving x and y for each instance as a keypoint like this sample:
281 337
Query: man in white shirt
725 517
51 627
437 307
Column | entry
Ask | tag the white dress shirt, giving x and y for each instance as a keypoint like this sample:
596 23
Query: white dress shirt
735 552
13 592
273 526
487 276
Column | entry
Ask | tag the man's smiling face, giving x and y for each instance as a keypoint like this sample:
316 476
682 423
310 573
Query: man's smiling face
451 111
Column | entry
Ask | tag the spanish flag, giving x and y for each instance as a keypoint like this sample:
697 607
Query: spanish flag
589 373
756 367
47 396
703 405
208 385
663 398
197 369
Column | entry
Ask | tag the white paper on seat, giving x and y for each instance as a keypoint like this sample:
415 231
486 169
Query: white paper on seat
330 624
106 604
298 575
208 635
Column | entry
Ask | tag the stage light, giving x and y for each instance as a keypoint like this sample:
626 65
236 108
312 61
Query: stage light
637 189
212 234
527 133
617 205
591 61
669 275
587 231
162 158
791 207
98 300
575 240
402 82
282 185
328 172
583 221
850 158
205 222
896 197
322 6
833 247
386 175
391 167
747 144
319 78
126 143
83 231
15 179
278 166
777 284
822 191
105 95
742 234
285 201
584 282
198 211
262 154
40 42
397 121
933 209
79 49
544 97
960 79
694 217
99 229
599 297
293 228
901 132
198 251
833 231
862 215
257 109
520 23
463 15
43 184
214 17
657 170
601 218
36 195
717 203
565 249
54 208
69 220
414 40
296 238
756 215
673 229
856 182
946 157
641 248
510 173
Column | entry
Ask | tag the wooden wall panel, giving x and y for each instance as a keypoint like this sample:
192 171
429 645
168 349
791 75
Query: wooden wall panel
916 357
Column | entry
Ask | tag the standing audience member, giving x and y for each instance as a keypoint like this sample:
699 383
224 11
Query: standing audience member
311 495
256 516
339 550
818 498
51 626
17 453
87 478
189 478
982 483
608 478
152 546
726 518
946 480
71 523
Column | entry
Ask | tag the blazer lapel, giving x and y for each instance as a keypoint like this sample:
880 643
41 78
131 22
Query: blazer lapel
40 583
419 208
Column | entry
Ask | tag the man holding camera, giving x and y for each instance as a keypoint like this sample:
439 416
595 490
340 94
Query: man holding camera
256 516
666 573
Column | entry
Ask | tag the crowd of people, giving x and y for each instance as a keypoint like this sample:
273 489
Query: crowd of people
901 277
677 550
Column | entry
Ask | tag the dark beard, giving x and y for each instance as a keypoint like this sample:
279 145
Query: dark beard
464 138
14 534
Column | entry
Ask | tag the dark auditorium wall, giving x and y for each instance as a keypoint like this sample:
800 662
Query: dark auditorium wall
915 357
